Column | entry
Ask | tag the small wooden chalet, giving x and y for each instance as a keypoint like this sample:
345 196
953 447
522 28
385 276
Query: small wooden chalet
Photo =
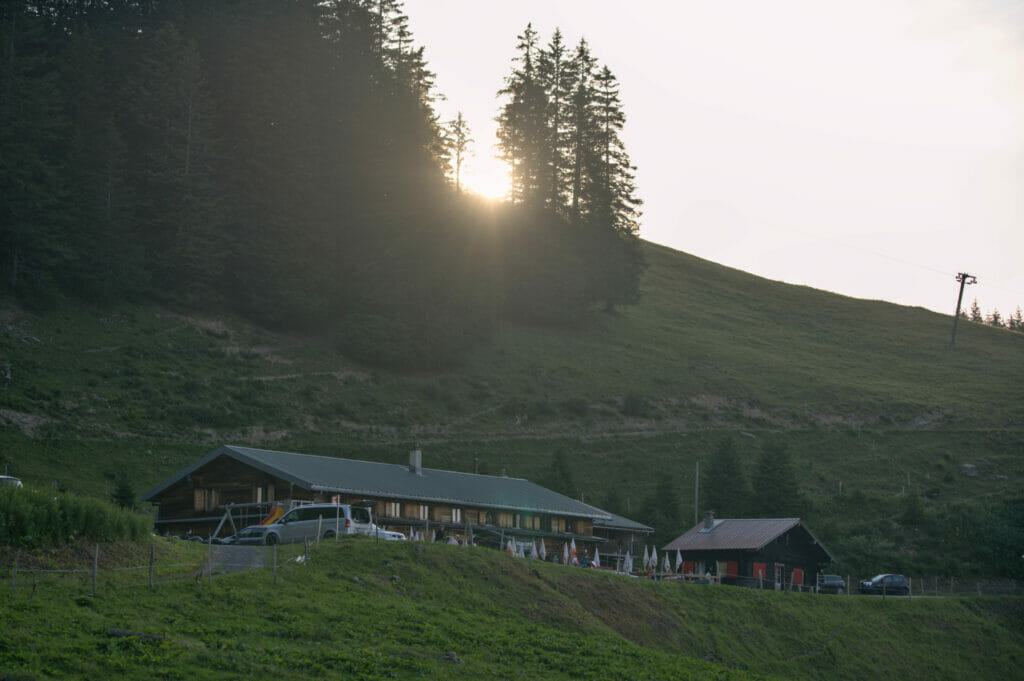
774 553
241 484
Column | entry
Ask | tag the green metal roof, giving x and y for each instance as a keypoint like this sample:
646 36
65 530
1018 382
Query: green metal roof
618 522
394 481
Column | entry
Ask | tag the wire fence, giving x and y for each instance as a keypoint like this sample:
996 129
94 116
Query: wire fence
222 559
218 560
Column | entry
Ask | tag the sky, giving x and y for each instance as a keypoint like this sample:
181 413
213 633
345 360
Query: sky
871 148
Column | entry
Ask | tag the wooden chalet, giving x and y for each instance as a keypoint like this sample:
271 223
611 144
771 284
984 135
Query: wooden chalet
775 553
241 484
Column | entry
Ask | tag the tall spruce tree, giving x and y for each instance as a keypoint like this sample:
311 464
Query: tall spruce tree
615 206
775 492
457 148
522 124
556 77
725 489
582 148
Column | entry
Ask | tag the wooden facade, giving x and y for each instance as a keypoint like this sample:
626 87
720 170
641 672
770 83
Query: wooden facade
773 553
198 500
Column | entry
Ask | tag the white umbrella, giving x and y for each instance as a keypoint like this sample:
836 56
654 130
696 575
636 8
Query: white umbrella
572 553
628 565
665 566
543 551
679 559
597 559
647 558
654 558
533 549
565 553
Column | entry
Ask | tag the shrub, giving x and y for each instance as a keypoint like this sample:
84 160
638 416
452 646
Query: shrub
30 518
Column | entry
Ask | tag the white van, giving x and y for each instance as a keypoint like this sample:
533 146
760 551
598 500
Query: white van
9 481
331 520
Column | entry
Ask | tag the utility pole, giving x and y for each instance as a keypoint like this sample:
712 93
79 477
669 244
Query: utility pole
964 279
696 493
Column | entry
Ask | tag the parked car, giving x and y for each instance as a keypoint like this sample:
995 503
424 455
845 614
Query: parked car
885 584
302 522
832 584
387 535
249 536
9 481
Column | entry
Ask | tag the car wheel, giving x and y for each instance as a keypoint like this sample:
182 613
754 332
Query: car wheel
271 539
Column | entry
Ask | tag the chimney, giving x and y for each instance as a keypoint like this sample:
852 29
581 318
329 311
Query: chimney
709 521
416 461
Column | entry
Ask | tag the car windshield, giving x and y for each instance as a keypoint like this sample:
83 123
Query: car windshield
878 578
360 515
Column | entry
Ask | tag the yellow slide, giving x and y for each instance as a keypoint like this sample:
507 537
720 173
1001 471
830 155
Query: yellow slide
275 513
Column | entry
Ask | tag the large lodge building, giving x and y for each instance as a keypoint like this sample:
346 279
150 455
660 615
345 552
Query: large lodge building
233 486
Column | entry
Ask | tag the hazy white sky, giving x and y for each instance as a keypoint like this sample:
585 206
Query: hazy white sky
873 148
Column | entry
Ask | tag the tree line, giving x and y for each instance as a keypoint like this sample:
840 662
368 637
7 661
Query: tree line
1014 321
281 159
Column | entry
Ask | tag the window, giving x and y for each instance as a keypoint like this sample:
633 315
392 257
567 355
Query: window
456 515
418 511
393 509
204 499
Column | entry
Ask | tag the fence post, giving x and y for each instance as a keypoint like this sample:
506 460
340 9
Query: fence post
152 559
209 560
275 563
14 572
95 567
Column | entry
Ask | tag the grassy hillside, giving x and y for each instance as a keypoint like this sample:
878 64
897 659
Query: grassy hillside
869 397
362 610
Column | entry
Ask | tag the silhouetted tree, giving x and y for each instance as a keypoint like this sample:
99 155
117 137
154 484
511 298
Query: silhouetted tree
725 487
976 315
774 488
457 146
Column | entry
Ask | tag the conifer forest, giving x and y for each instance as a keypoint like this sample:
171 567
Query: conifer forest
283 160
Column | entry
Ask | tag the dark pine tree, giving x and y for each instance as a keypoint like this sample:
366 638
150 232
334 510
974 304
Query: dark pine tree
775 492
725 489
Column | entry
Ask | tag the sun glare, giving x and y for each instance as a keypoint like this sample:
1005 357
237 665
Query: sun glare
489 180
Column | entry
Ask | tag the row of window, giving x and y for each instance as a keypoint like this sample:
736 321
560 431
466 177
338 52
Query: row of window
444 514
209 499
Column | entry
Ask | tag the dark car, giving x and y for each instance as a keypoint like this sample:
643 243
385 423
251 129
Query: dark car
832 584
250 536
885 584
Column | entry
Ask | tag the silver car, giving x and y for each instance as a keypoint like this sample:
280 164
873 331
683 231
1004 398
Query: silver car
330 520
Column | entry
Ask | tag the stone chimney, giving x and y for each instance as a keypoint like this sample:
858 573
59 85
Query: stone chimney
416 461
709 521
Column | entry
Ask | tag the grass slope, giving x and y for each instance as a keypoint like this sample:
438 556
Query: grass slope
868 395
365 610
